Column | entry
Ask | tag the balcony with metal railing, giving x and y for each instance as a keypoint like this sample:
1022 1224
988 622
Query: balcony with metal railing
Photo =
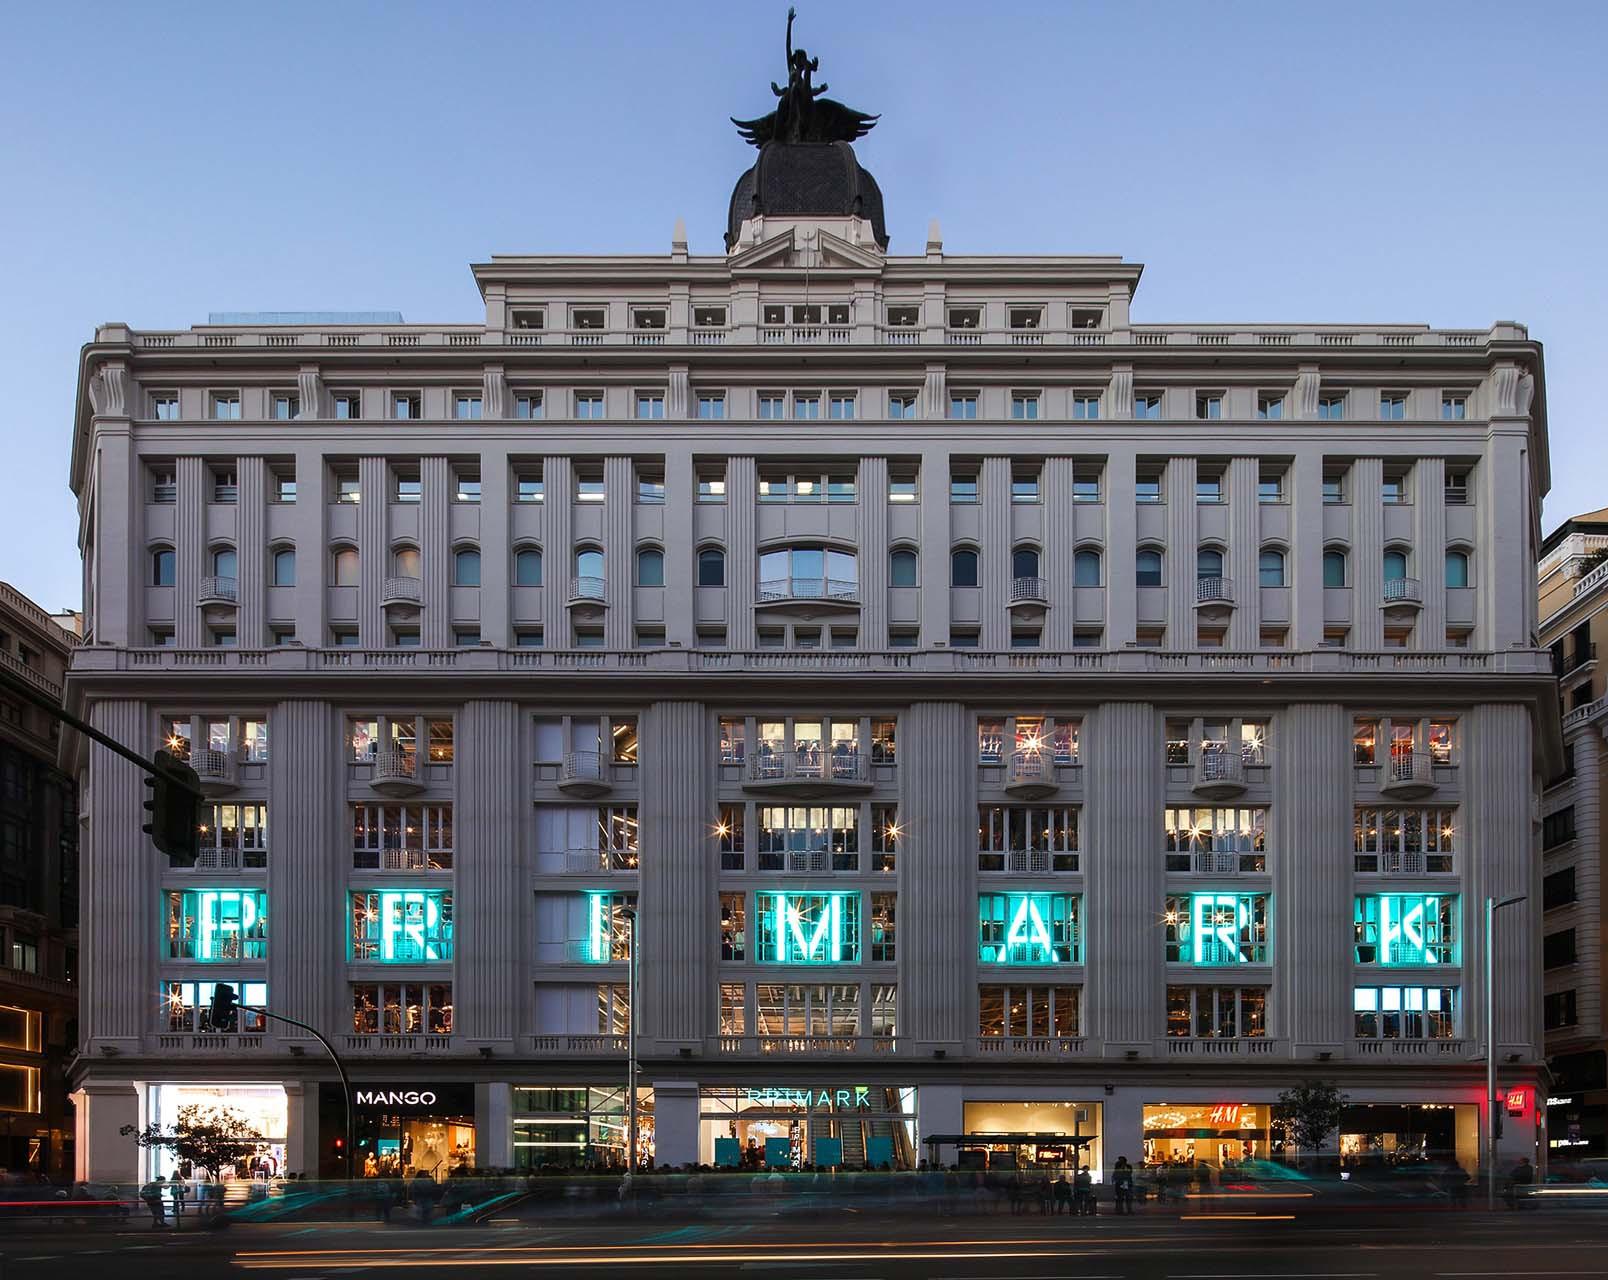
834 593
1214 591
215 770
395 772
1031 774
808 772
585 773
1408 775
1029 595
1576 659
231 858
1219 773
218 591
402 593
1402 593
591 862
586 589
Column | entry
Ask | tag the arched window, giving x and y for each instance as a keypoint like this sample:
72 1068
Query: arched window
1334 567
1208 563
711 567
405 562
466 568
1457 568
902 566
284 567
1025 562
1147 568
650 567
528 567
225 564
589 564
162 567
963 567
1086 568
1395 565
1270 568
346 566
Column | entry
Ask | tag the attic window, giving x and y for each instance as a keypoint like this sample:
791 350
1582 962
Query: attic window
709 317
1087 317
904 317
775 315
647 318
587 319
530 319
838 314
1026 317
965 318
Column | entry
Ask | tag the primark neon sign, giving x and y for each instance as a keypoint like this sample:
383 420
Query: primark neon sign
857 1098
404 925
810 928
1031 921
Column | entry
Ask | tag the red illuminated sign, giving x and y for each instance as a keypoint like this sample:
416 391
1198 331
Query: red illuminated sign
1518 1101
1226 1113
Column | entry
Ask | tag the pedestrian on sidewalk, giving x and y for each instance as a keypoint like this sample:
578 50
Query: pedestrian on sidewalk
1063 1194
1083 1193
152 1193
1122 1185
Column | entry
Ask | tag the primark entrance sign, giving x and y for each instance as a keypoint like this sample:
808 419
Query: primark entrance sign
855 1098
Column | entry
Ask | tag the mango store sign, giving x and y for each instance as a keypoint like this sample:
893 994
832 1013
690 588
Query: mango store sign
838 1099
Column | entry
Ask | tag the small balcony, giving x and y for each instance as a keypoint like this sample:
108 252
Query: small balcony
1221 1047
591 862
1408 775
1037 1048
831 594
1214 593
230 858
396 773
808 772
1441 1050
403 596
585 951
1219 774
208 1042
807 1046
586 590
1402 593
1578 659
215 770
585 773
1030 597
218 593
1214 862
1030 774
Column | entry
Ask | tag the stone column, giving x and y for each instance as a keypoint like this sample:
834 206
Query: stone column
492 1001
935 541
1305 497
251 552
1124 864
189 550
1056 557
1243 560
676 977
309 522
873 553
619 552
742 553
994 553
435 553
558 551
681 551
1429 539
1311 862
374 554
1121 543
496 553
1367 553
937 875
1182 543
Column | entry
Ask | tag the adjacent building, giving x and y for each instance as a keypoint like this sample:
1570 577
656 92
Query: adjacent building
1573 586
38 897
1002 714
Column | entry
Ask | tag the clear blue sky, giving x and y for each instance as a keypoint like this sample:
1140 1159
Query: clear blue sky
1435 162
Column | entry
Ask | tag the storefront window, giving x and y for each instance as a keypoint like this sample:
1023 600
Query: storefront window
1406 929
573 1127
782 1126
1211 929
1221 1134
257 1108
402 926
213 925
1079 1123
808 928
1378 1137
1029 928
403 1129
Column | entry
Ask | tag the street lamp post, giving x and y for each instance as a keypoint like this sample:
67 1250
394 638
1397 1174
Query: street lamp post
1492 906
630 1045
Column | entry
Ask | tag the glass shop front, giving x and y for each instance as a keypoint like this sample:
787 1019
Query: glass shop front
822 1125
1376 1137
1220 1134
399 1129
1071 1119
260 1109
576 1127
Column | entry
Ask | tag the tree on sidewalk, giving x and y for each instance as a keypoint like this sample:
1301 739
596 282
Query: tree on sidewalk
1309 1112
212 1138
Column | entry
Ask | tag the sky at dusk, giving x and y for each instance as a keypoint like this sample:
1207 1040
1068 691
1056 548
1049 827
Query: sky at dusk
1365 162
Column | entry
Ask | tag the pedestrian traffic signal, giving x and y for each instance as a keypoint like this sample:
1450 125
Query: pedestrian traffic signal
175 808
225 1007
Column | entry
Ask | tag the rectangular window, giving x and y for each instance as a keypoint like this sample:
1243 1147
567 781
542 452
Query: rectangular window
1085 406
1405 842
841 408
808 928
348 405
528 487
402 1008
1216 841
1216 929
406 405
1209 405
650 404
588 405
187 1006
1024 406
772 406
884 928
807 407
963 487
164 486
650 488
1392 406
284 488
528 405
402 837
401 926
963 405
712 485
885 833
1558 949
1558 828
1147 486
466 486
1216 1013
807 839
1404 1013
466 405
588 486
1394 929
165 406
733 926
1558 889
1454 408
225 406
1086 482
902 405
217 925
1208 489
1029 928
1270 487
1558 1010
283 406
730 831
1331 408
1147 405
1024 487
1028 1013
1270 405
1027 840
711 405
733 1009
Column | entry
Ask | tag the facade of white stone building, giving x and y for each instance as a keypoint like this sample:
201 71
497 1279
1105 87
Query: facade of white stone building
1008 715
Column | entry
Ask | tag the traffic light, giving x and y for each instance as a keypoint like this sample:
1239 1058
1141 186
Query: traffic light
174 806
225 1007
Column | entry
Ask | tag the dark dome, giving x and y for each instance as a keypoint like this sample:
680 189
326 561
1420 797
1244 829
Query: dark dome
799 179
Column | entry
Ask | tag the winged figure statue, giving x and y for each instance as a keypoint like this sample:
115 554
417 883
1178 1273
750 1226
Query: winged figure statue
802 114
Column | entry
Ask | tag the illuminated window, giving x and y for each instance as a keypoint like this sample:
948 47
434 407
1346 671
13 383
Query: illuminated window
883 927
1029 928
885 834
1216 841
731 741
1214 1013
800 838
808 928
1044 736
1405 929
21 1029
730 830
402 1008
402 837
733 1009
236 838
187 1006
1037 1013
401 926
606 928
733 926
1212 929
212 925
1026 839
1404 1013
787 1011
1404 841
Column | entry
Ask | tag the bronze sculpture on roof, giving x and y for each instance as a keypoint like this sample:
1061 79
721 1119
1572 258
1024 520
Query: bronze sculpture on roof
802 115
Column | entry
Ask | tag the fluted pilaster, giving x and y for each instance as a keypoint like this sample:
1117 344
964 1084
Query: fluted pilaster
493 1004
252 551
994 555
873 553
558 549
1311 862
619 552
1429 538
1123 857
1244 549
1182 544
435 553
190 549
679 868
373 549
937 875
742 553
1368 552
1056 557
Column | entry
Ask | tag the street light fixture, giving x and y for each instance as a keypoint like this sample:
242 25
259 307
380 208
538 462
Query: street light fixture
630 915
1492 906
